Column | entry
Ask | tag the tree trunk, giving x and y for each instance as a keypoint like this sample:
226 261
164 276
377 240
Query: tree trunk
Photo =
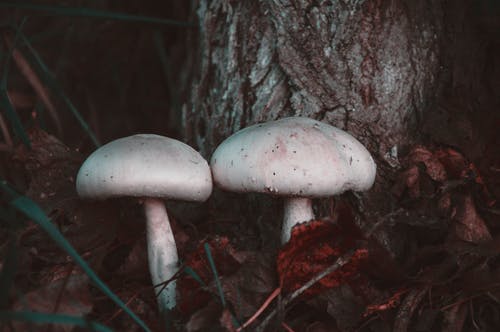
368 67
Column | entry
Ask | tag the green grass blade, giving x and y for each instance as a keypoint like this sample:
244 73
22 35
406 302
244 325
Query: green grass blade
189 271
30 209
44 318
49 79
214 271
93 13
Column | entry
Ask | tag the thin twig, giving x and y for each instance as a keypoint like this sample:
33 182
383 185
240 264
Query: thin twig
408 307
263 307
341 261
469 298
119 311
286 327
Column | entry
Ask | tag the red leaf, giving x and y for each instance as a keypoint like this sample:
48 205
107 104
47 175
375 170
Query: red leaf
390 303
434 168
190 292
469 226
313 247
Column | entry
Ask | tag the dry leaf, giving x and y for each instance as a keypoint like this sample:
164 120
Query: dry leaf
71 294
313 247
433 167
204 318
469 226
226 321
190 293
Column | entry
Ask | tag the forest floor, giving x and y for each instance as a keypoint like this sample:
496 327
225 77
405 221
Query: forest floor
333 275
446 278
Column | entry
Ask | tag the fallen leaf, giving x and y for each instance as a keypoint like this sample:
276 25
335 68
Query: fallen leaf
345 307
412 176
454 318
64 295
313 247
204 318
321 327
459 167
192 295
226 321
136 262
455 163
390 303
468 224
251 284
433 166
426 319
52 168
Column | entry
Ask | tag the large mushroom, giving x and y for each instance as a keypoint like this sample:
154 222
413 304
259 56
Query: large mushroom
296 157
153 168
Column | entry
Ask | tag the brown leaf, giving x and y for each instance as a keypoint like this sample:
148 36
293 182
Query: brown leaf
226 321
469 226
415 182
137 261
191 294
258 274
455 163
94 226
426 319
433 167
412 176
345 307
51 167
249 287
458 167
71 295
444 204
204 318
454 318
321 327
407 308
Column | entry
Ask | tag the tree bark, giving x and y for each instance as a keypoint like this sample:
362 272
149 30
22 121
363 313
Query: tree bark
368 67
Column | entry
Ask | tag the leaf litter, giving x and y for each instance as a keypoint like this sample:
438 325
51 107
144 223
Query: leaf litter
445 279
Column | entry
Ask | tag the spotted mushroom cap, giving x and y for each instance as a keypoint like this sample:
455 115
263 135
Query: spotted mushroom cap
145 165
293 156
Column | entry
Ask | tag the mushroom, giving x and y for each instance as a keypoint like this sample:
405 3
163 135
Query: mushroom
295 157
150 167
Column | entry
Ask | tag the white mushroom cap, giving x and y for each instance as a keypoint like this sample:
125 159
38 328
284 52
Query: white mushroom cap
293 156
145 165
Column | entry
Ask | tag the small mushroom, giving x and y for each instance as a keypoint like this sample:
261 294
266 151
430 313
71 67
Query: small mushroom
152 168
296 157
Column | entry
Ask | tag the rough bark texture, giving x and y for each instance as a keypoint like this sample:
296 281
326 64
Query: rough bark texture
368 67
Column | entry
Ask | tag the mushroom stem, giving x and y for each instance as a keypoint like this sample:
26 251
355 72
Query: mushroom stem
297 209
162 251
